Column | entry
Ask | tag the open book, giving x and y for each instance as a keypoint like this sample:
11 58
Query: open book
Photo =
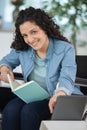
28 92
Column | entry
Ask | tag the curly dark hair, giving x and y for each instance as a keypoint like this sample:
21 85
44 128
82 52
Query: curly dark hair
40 18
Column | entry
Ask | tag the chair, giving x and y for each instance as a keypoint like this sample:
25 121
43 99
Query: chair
81 77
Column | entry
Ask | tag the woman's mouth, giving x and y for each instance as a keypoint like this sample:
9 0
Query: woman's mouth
34 43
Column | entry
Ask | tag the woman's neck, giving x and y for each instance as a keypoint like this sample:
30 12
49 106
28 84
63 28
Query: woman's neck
41 55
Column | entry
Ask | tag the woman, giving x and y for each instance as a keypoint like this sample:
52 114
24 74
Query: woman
45 56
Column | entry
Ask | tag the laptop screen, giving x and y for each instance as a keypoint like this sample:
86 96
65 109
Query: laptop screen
69 108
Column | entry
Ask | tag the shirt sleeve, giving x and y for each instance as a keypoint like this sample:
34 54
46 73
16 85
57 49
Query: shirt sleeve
68 72
11 60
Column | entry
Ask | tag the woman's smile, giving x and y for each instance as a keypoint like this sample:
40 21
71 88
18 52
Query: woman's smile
34 36
34 44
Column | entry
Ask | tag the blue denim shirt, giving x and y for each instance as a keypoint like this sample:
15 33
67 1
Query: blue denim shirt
60 66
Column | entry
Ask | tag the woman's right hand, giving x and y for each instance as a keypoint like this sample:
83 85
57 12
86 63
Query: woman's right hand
4 70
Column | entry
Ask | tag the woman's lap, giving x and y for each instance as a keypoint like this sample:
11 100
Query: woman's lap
30 115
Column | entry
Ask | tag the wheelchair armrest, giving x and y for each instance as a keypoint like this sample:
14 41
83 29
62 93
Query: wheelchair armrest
18 76
81 81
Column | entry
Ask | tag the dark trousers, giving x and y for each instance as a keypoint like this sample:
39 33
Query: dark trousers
18 115
5 96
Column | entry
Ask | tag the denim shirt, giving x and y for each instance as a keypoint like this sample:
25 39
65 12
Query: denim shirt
60 66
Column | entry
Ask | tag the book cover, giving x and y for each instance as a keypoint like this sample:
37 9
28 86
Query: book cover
28 92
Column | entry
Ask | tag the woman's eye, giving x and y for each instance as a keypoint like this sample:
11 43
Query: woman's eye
24 36
34 32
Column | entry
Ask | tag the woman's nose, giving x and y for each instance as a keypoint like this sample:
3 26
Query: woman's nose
29 39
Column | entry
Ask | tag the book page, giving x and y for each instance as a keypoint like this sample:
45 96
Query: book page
14 84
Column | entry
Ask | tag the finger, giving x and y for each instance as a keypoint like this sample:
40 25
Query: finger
52 103
51 106
3 77
11 75
0 76
51 110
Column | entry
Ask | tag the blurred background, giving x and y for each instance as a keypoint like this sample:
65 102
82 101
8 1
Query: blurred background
70 15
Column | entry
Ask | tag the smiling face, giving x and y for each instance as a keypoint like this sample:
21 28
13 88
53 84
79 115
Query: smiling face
34 36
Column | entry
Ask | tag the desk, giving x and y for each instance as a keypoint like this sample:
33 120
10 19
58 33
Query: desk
63 125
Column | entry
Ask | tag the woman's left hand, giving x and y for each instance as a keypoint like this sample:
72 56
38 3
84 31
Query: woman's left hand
53 100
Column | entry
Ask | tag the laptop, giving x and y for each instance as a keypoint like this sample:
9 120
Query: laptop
70 108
